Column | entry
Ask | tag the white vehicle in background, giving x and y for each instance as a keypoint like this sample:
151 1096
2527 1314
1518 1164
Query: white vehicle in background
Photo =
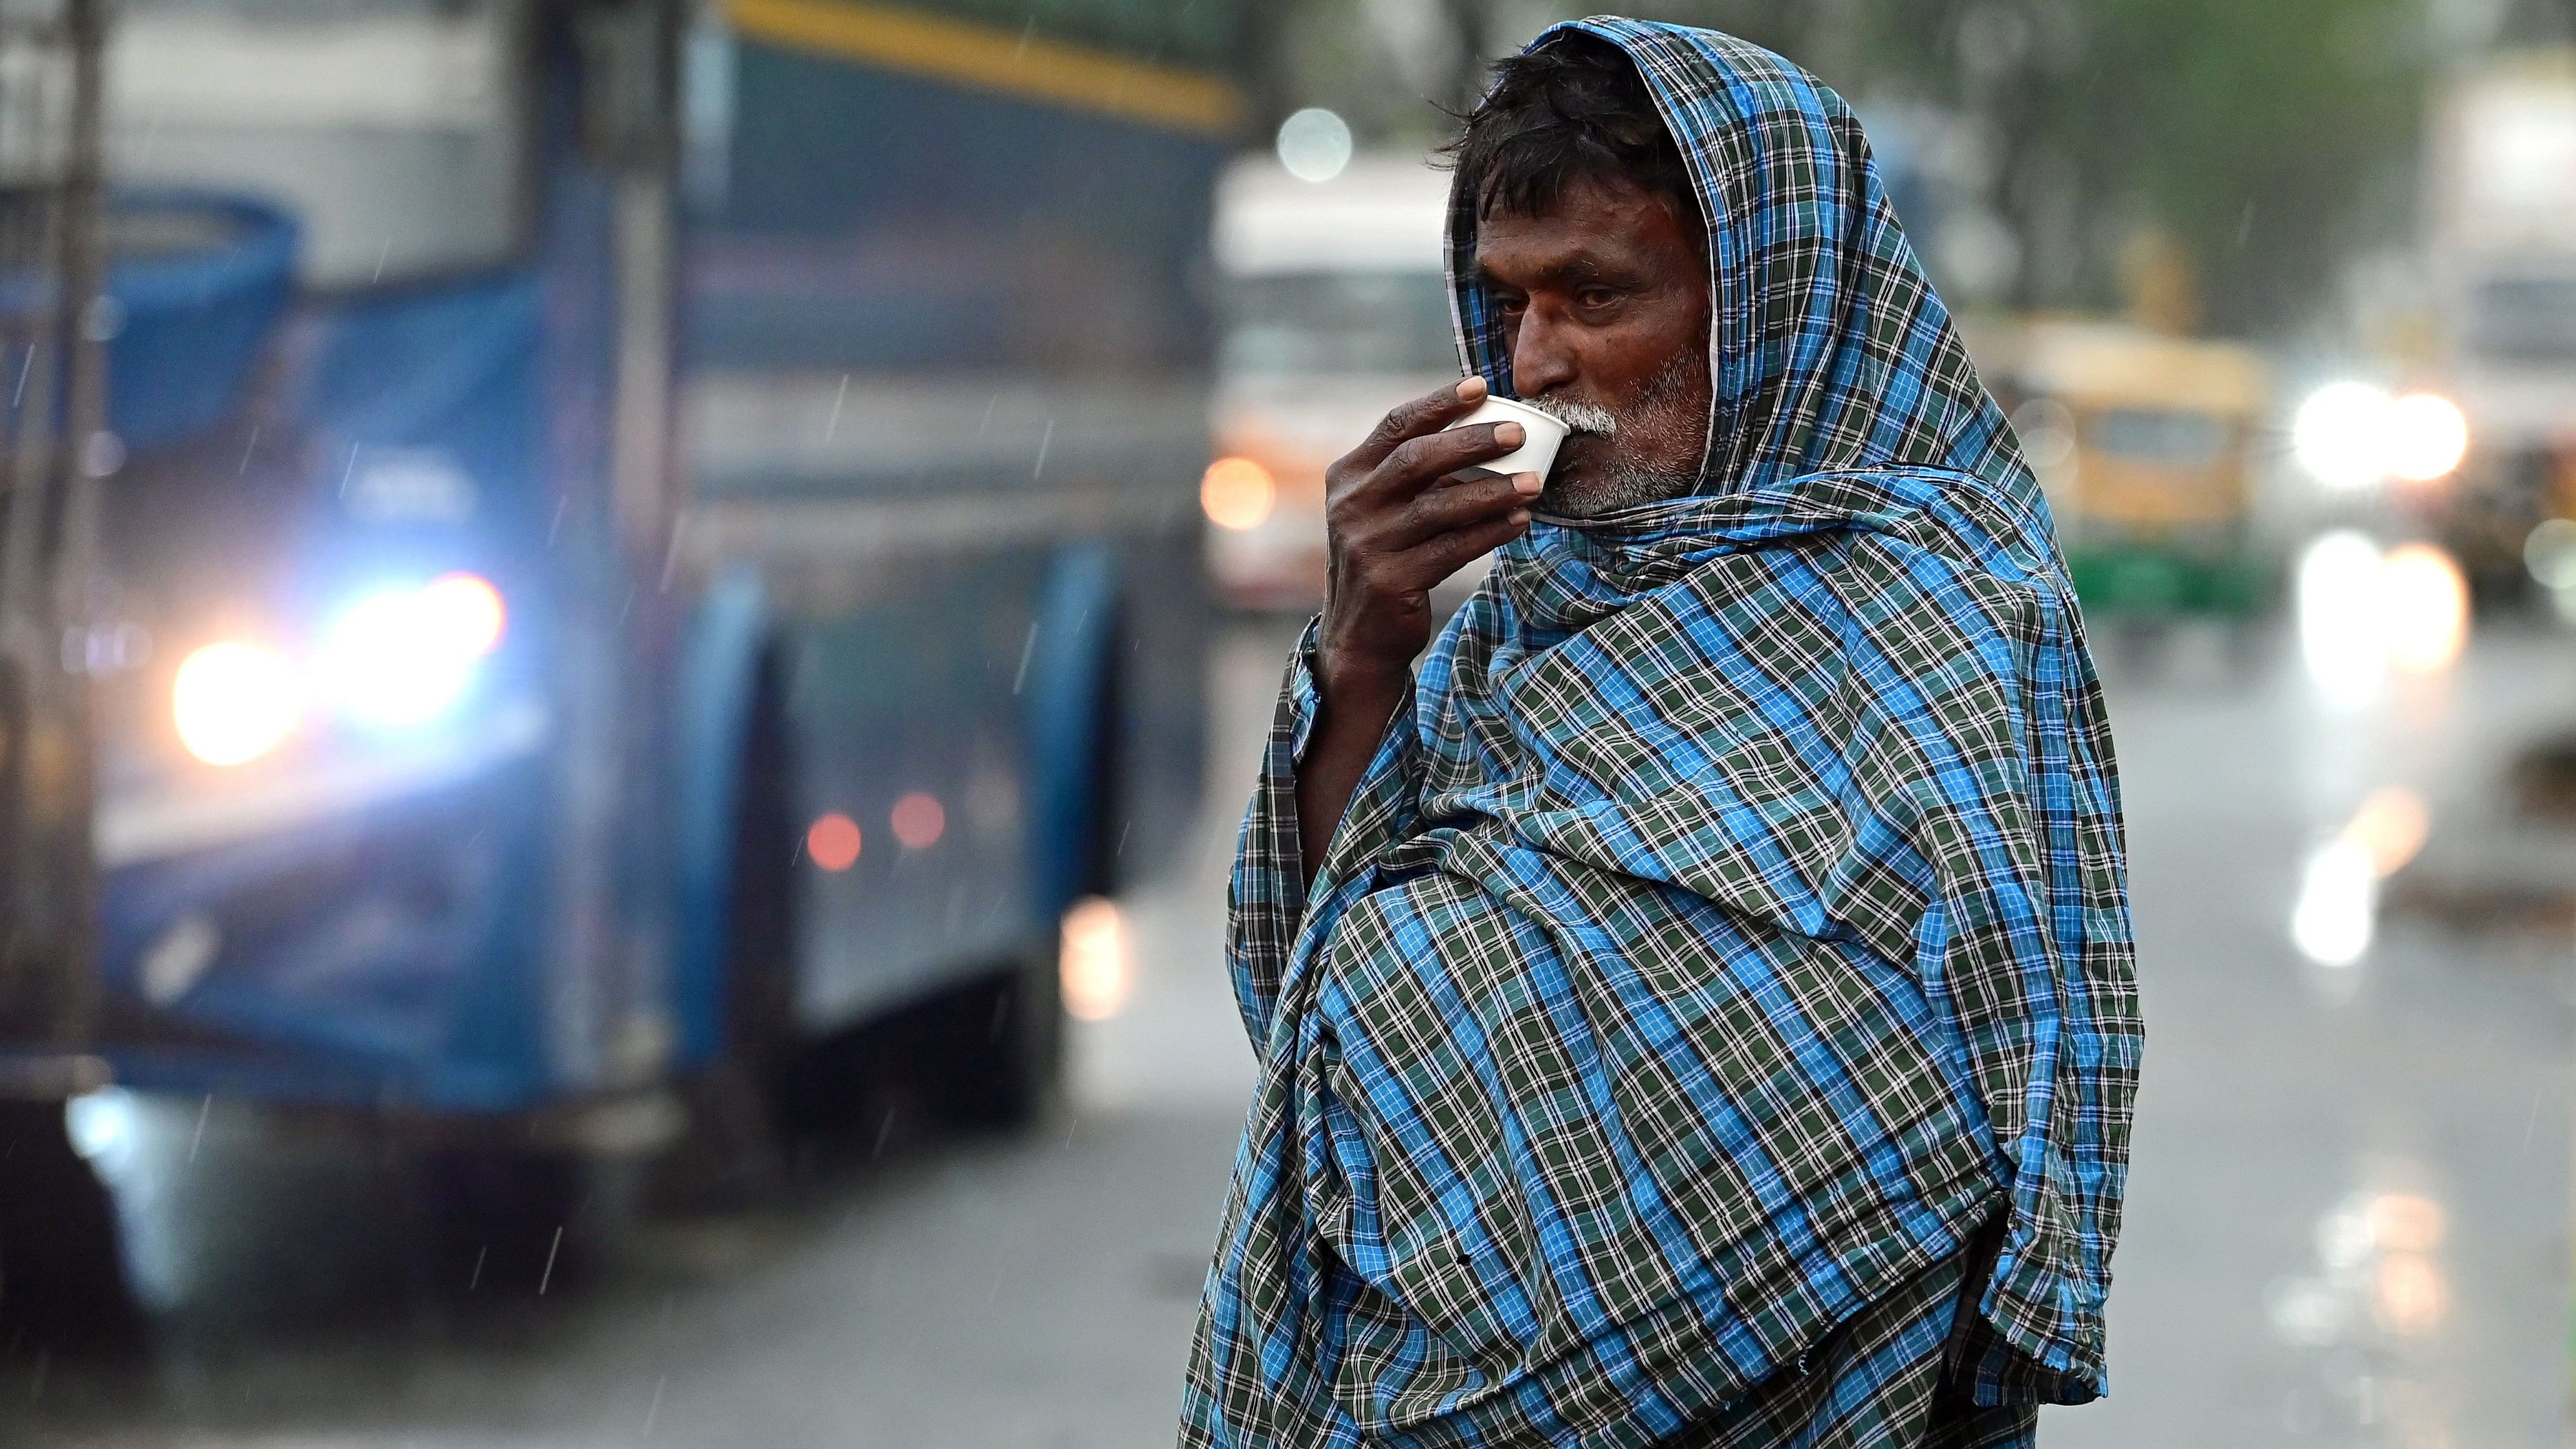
2500 248
1336 309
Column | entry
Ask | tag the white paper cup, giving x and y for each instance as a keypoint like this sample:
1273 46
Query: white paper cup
1537 452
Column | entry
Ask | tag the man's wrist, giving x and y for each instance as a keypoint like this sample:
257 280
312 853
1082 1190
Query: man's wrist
1347 681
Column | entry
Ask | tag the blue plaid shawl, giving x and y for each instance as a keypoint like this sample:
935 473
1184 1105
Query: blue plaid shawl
1735 922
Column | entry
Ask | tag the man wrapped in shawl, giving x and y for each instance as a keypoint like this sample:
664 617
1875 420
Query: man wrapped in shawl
1695 1006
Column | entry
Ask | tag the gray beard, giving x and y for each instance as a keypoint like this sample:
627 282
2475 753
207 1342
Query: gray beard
1612 489
1618 483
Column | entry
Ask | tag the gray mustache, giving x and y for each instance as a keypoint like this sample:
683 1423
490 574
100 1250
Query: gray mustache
1578 417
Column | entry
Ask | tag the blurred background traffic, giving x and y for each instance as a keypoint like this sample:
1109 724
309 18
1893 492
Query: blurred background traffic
631 633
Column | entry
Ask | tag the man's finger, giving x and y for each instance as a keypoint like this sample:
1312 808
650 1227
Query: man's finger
1436 511
1428 413
1429 564
1417 463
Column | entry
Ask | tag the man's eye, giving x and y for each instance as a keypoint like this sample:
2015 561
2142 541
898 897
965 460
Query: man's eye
1512 306
1595 297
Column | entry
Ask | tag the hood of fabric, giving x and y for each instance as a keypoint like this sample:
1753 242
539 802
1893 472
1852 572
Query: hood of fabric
1828 351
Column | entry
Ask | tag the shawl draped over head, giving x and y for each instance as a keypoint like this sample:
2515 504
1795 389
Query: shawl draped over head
1732 927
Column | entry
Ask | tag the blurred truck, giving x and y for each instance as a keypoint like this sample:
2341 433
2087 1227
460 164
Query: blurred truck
2500 252
626 544
1336 308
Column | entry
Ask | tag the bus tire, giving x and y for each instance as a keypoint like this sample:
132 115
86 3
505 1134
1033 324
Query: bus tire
63 1283
734 1150
522 1221
996 1058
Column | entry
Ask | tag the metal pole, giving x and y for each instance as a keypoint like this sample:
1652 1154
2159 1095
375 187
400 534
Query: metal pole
63 787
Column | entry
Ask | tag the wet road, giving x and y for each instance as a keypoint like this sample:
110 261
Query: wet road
2348 1224
2348 1215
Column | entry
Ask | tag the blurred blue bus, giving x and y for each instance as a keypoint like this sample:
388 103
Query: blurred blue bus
630 541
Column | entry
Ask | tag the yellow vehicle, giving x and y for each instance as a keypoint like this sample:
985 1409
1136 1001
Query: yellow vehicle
2145 443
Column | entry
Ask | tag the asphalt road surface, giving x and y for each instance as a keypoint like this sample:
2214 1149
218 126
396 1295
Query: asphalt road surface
2348 1221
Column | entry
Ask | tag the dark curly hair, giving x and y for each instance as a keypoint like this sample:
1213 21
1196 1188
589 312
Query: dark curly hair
1573 110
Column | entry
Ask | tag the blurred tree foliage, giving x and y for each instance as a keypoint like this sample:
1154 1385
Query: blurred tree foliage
2269 140
2264 142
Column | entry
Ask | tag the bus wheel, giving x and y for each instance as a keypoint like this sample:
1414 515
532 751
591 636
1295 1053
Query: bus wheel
518 1222
996 1057
62 1264
734 1153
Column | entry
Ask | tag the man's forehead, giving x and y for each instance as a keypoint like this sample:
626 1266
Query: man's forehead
1594 224
1582 195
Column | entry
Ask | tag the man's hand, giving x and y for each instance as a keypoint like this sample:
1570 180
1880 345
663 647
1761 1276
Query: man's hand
1396 525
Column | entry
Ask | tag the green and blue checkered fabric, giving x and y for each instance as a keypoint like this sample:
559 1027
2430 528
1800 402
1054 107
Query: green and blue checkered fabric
1733 925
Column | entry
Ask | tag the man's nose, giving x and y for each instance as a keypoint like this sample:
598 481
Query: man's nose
1541 360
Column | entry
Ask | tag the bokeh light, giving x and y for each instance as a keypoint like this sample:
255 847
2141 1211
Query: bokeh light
2339 434
233 702
2425 603
1096 969
101 1124
919 820
2338 603
2427 437
2338 903
1237 493
2362 612
2410 1295
2046 428
2351 435
2406 1222
389 662
2390 828
403 656
469 610
833 842
2549 551
1314 144
2337 906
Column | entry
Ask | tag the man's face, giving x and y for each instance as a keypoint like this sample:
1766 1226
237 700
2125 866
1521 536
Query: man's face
1605 304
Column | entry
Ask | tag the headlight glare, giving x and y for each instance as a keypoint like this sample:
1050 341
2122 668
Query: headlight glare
2338 434
405 656
468 613
2350 435
2428 437
234 702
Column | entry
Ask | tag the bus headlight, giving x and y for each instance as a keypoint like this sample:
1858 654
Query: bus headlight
2428 437
2338 435
2350 435
405 656
234 702
467 613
